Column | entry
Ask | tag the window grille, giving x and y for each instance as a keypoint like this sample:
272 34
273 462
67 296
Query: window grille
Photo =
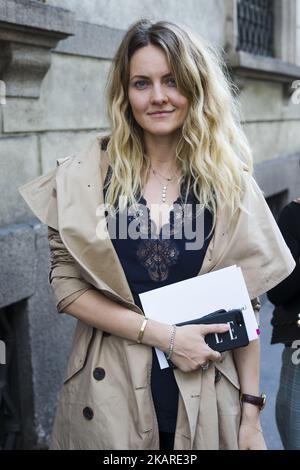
256 27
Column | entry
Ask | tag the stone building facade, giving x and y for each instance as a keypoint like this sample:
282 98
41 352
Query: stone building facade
54 59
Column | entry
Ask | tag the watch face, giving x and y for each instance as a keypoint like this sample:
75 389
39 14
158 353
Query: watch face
264 397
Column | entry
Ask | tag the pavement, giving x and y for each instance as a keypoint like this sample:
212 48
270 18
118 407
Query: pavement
270 373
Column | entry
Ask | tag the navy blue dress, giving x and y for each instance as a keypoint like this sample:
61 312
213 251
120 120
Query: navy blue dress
154 262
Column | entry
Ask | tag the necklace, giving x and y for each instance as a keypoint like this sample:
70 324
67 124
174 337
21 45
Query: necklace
164 186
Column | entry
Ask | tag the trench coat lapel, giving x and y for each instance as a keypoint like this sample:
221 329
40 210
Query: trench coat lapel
252 241
80 214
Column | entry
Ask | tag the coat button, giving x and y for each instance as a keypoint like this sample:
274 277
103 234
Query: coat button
99 373
218 376
88 413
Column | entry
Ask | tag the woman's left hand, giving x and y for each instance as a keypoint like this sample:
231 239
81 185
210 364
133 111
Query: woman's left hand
251 437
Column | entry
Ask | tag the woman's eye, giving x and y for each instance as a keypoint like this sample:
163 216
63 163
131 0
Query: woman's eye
172 81
140 84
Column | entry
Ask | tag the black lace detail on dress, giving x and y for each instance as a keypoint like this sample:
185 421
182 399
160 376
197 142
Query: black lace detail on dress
158 252
157 256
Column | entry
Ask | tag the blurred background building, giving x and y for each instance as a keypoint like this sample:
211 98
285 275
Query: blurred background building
54 59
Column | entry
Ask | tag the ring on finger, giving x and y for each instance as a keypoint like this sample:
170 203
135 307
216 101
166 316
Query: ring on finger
205 365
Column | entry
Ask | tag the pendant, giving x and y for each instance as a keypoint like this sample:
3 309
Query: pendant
164 191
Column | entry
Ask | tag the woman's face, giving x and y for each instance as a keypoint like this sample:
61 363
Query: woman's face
152 90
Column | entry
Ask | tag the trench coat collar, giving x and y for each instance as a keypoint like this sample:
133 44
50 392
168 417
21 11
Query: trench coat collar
81 213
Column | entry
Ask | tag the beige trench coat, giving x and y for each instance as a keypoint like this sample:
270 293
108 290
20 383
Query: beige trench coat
66 199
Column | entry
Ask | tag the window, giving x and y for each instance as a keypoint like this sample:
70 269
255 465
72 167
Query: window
256 27
261 39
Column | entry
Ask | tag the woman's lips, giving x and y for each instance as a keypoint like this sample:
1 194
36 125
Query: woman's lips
161 114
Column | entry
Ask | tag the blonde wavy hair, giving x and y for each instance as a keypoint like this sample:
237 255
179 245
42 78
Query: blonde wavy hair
212 149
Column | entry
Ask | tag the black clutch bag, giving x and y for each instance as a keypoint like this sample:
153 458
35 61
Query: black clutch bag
235 337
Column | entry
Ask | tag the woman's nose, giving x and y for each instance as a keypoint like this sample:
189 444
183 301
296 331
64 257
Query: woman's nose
158 95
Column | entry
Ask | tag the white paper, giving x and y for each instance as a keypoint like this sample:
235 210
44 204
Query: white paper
198 296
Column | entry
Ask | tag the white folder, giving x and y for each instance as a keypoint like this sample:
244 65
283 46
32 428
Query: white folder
199 296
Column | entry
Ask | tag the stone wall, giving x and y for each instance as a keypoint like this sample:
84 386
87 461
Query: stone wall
207 18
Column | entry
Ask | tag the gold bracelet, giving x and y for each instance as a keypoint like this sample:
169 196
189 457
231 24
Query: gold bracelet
141 332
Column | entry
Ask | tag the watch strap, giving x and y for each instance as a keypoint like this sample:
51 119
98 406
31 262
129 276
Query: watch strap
254 400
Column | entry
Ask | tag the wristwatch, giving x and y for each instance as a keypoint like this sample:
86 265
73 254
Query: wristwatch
257 401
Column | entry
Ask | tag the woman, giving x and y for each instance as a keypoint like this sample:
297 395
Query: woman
286 321
175 138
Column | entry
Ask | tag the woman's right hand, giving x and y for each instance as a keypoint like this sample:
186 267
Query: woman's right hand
190 349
